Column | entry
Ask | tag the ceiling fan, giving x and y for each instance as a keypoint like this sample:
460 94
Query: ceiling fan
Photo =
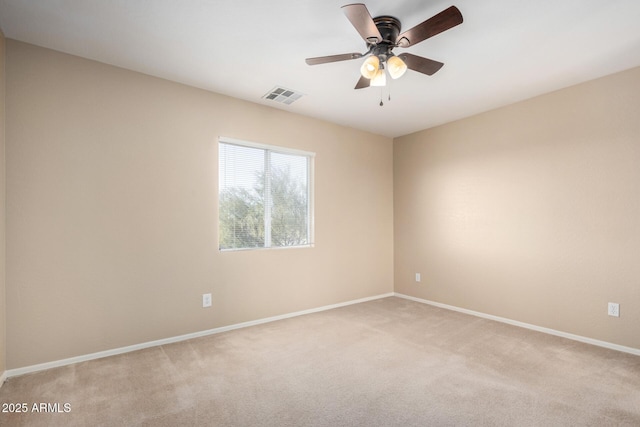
382 34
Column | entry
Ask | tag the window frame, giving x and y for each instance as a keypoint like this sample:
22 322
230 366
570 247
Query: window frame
268 148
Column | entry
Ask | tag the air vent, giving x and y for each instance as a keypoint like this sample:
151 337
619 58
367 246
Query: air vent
282 95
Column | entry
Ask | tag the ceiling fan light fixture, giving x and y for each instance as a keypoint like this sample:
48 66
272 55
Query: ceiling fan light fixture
370 67
380 79
396 67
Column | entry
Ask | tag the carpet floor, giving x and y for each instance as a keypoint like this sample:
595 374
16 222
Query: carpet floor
388 362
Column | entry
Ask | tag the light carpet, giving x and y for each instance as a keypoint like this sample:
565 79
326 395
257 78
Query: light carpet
388 362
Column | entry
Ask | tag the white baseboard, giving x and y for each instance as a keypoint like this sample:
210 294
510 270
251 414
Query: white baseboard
57 363
3 377
580 338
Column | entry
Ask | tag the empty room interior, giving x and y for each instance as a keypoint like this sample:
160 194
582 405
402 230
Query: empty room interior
318 213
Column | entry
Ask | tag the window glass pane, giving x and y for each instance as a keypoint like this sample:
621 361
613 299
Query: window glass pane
241 197
289 200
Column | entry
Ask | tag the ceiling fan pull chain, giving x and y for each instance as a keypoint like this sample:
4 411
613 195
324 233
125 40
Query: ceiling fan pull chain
381 89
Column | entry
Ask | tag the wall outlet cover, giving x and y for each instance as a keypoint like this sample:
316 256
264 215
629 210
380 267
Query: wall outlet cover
206 300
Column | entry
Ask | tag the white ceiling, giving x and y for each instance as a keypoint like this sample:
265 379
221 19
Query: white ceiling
505 51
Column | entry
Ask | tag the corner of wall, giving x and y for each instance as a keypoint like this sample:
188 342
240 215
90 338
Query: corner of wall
3 341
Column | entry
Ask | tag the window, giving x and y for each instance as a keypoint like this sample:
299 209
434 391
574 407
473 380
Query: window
265 196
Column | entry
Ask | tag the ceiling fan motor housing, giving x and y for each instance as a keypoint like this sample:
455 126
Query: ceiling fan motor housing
389 28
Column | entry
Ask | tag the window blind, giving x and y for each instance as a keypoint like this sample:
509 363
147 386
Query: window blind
264 196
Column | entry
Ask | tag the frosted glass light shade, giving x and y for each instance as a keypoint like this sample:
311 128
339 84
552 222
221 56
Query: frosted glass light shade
396 67
370 67
380 79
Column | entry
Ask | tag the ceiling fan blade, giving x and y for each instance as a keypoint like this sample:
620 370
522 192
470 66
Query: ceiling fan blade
332 58
361 19
444 20
362 83
422 65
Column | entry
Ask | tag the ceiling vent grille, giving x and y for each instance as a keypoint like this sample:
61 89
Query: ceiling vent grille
282 95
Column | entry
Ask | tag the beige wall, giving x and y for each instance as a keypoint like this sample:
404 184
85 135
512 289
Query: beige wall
530 212
112 210
3 319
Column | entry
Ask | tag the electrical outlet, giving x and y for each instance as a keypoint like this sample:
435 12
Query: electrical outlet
417 277
206 300
613 309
